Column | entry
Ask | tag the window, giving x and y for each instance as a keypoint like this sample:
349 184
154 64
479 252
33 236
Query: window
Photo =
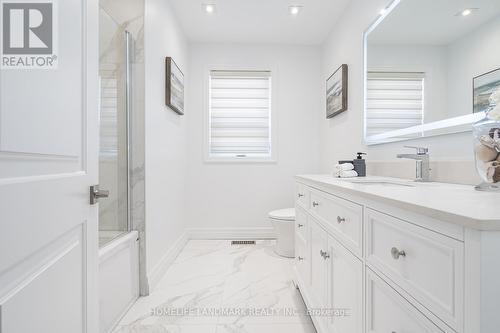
395 101
239 115
108 115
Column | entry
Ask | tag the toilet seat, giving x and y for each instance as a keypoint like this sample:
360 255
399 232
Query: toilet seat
287 214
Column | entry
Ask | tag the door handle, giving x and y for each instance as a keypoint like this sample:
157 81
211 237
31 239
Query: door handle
96 193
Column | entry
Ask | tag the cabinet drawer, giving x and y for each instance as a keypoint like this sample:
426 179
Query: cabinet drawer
344 217
426 265
302 195
387 311
301 223
302 260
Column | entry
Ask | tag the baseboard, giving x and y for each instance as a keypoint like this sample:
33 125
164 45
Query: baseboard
160 269
231 233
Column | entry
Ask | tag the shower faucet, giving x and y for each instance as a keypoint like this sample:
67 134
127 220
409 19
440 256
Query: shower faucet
422 168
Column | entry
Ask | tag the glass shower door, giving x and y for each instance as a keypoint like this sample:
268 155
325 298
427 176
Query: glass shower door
114 75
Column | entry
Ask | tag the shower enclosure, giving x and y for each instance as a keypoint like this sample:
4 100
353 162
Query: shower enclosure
115 128
121 162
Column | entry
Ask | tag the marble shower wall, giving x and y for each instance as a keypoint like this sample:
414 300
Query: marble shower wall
128 15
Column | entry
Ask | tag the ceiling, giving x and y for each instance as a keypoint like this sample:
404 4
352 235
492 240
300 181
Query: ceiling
432 22
258 21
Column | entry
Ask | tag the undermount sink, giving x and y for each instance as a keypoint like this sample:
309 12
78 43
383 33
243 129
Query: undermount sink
380 182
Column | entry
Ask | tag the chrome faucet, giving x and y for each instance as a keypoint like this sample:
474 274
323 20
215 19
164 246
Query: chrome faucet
422 171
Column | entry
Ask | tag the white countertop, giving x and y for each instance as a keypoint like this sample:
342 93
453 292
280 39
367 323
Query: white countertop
458 204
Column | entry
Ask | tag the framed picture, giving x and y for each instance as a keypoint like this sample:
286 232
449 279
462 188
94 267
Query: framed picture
484 86
174 92
336 92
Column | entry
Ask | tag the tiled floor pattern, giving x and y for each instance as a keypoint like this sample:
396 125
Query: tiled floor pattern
249 283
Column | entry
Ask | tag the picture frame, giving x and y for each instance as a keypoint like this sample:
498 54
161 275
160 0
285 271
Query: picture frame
482 87
337 92
174 86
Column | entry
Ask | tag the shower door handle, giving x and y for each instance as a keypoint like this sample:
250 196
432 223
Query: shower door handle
96 193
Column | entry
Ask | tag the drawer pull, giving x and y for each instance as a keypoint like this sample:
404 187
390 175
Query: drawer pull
300 225
300 195
340 219
324 254
300 258
315 203
397 253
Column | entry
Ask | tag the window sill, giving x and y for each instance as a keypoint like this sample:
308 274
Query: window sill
222 160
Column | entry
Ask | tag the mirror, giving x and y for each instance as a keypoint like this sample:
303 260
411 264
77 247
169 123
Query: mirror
422 60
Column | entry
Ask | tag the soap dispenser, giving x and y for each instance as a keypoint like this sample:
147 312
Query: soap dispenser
360 165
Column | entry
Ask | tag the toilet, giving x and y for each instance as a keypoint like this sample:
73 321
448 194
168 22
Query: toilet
283 221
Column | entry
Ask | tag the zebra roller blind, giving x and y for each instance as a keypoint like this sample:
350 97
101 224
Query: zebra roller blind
395 100
239 114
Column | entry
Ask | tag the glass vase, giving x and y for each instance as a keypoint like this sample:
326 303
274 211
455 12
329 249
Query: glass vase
487 152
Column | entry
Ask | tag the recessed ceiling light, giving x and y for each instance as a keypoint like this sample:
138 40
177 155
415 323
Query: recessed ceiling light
295 9
209 7
466 12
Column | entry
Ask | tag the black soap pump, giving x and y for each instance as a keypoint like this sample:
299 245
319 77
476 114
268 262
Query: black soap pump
360 165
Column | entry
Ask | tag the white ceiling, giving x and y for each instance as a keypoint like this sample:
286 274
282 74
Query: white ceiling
432 22
258 21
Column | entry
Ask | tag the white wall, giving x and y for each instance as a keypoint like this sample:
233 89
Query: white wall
165 133
240 195
470 56
342 136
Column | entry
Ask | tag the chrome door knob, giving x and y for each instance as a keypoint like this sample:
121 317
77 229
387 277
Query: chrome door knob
300 225
315 203
300 258
300 195
340 219
396 253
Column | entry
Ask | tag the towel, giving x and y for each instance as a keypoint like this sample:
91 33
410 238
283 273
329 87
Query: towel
345 174
344 167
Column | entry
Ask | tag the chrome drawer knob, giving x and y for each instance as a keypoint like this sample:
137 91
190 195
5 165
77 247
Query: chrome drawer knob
340 219
300 225
315 203
324 254
300 195
396 253
300 258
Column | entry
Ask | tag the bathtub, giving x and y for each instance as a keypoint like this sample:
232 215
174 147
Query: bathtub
118 279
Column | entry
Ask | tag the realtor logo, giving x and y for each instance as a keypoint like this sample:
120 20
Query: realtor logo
29 35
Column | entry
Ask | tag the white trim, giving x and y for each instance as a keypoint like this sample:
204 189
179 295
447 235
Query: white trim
232 233
155 275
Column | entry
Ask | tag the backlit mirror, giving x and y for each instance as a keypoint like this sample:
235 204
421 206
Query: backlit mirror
430 67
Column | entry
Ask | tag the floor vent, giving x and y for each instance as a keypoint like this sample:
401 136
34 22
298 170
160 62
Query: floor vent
243 242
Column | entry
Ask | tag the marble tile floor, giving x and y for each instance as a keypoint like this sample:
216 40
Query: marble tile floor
216 287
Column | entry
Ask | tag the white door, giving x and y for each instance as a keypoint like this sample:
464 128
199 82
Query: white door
48 160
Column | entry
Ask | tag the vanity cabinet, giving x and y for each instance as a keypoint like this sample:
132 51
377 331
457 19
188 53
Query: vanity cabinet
375 267
319 264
